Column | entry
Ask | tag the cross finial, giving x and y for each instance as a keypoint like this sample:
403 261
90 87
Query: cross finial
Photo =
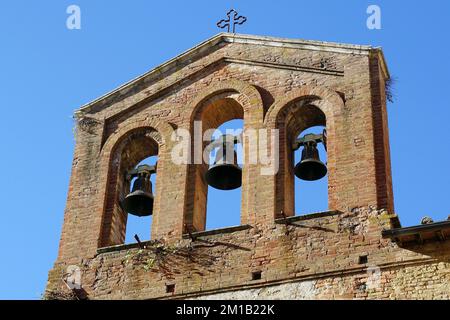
232 21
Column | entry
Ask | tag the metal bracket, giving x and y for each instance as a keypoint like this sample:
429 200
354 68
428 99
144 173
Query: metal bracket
219 142
310 138
226 138
287 223
191 236
142 169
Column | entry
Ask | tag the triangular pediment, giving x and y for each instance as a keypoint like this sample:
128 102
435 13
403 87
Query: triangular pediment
158 81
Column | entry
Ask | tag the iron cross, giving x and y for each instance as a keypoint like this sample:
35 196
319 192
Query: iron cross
232 21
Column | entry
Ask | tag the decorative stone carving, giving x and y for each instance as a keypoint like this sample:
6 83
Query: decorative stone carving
272 59
324 63
160 113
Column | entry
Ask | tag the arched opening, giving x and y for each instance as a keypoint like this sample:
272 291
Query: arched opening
136 225
294 121
214 116
138 147
311 196
223 207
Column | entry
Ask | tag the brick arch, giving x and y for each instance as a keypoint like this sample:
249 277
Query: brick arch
307 98
329 102
235 100
163 128
248 97
157 134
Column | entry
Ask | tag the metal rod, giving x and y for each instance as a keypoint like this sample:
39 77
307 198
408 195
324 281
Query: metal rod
138 241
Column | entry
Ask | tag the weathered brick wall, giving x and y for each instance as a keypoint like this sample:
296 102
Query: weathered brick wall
270 84
317 257
430 282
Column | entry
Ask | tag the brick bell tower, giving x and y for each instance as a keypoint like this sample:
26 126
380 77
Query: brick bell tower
357 249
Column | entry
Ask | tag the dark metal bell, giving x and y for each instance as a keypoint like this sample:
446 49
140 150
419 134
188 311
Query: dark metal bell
140 201
310 168
224 175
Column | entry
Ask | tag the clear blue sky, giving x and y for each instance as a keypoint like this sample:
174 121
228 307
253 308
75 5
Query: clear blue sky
47 71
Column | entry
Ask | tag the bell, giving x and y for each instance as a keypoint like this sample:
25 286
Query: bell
224 175
310 168
140 201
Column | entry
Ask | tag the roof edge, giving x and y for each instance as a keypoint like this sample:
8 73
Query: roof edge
384 67
168 64
278 41
242 38
438 230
